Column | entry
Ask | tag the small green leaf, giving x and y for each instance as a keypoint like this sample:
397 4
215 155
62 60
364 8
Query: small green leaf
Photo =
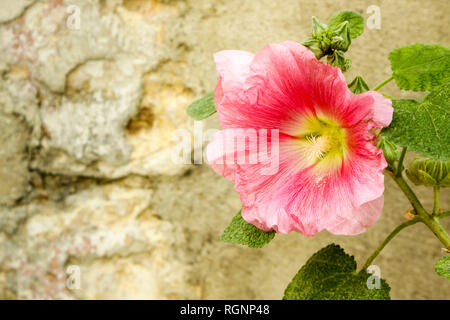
330 274
355 22
423 127
202 108
241 232
442 267
420 67
358 85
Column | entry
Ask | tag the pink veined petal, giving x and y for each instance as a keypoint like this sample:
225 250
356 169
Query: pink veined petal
233 68
258 183
380 107
232 92
216 155
242 148
258 103
364 216
291 84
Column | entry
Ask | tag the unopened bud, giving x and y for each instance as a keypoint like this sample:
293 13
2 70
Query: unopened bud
358 85
427 172
337 59
390 150
342 39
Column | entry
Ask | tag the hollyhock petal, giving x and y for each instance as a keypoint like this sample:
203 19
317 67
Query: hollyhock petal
233 93
380 108
364 216
291 85
233 68
216 153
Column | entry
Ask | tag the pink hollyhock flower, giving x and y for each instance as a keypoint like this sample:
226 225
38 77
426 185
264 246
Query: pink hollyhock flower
320 135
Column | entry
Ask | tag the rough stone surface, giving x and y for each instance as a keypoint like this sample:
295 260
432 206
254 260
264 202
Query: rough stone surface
91 117
12 9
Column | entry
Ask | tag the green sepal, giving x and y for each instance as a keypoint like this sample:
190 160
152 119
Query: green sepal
318 27
358 85
314 45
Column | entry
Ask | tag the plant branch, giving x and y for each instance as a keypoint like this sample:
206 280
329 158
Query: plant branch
431 222
384 82
436 191
444 215
387 240
422 216
387 96
399 170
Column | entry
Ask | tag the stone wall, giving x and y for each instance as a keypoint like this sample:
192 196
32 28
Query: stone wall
87 119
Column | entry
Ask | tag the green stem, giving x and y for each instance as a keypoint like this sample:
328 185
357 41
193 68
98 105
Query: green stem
431 222
436 190
381 84
422 216
387 96
399 170
444 215
386 241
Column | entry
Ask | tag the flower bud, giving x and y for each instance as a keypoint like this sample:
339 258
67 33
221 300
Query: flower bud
330 42
342 33
427 172
358 85
390 150
337 59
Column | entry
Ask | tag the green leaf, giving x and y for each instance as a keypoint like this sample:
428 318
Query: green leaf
330 274
358 85
202 108
241 232
423 127
420 67
355 21
442 267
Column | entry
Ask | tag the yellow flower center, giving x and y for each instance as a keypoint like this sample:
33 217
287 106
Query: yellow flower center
323 141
